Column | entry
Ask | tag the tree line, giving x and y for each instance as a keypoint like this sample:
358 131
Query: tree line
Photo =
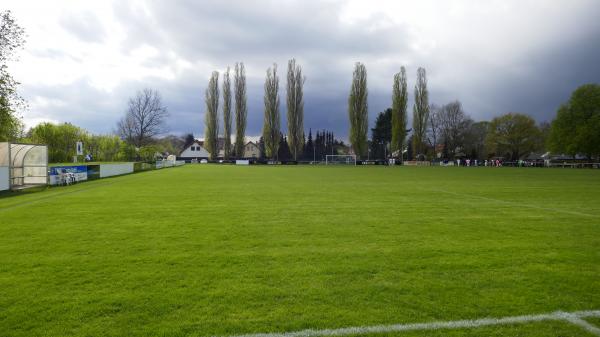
61 140
447 132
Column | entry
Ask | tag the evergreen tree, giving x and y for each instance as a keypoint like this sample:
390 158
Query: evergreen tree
303 145
188 140
284 152
261 148
381 134
316 145
310 146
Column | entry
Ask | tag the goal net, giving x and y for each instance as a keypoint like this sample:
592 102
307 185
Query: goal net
331 159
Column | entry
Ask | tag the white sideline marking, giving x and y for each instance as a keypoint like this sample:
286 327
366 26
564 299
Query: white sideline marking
585 325
514 203
571 317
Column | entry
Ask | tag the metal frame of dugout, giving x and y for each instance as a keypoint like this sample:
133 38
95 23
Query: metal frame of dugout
23 165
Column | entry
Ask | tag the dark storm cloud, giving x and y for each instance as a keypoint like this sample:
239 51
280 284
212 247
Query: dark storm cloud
260 35
536 84
553 75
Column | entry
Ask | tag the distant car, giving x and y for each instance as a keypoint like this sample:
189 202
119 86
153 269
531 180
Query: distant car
204 161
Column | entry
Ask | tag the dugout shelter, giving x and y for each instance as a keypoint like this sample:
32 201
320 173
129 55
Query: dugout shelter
23 165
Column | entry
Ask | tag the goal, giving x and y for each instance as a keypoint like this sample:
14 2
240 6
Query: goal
331 159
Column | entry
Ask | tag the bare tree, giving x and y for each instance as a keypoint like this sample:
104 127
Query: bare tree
399 103
420 113
435 127
226 114
211 123
144 119
239 83
272 119
474 139
126 129
454 124
358 112
295 108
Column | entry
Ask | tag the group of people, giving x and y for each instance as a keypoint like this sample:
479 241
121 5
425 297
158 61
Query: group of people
475 162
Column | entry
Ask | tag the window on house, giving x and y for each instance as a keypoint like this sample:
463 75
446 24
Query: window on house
193 148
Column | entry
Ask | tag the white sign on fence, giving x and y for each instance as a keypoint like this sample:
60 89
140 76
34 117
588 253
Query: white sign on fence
80 148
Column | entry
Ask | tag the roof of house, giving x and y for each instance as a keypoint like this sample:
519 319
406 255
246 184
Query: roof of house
196 142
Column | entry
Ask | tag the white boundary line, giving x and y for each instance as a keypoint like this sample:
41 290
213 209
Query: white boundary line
518 204
575 318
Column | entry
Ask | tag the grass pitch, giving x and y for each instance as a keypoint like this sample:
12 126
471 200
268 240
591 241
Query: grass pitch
206 250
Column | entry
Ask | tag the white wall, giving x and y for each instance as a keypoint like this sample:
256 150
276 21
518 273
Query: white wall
4 179
108 170
188 153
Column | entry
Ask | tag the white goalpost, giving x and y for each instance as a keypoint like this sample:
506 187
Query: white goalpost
344 159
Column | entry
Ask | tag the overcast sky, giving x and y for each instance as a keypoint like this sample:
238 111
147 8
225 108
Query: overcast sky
83 59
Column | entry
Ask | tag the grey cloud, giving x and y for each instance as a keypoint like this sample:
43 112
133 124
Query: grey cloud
54 53
534 80
536 84
253 31
84 26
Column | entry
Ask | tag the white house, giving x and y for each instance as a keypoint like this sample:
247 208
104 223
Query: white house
251 150
195 150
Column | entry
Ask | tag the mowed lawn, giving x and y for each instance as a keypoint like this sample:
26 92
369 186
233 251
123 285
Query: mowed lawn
205 250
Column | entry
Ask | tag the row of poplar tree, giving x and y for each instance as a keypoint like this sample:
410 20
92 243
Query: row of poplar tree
271 132
272 126
358 112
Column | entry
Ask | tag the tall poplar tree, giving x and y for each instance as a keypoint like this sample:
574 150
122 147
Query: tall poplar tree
295 108
399 104
358 110
211 123
271 123
241 110
420 113
226 114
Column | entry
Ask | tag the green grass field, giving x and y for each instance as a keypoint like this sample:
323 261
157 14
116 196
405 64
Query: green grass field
205 250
